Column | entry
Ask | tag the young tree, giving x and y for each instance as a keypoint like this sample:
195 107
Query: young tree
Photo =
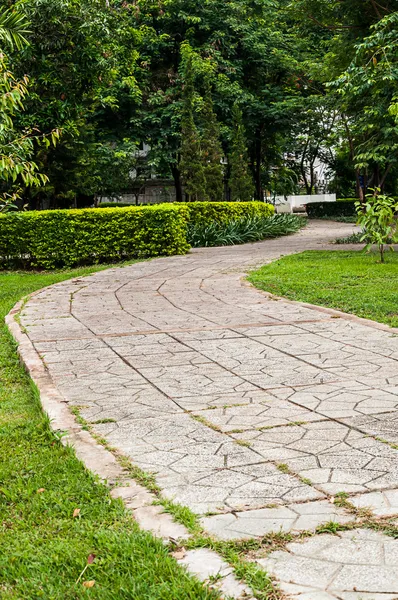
191 161
240 181
378 217
212 152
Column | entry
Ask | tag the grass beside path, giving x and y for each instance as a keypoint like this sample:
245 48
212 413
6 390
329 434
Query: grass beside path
43 547
353 282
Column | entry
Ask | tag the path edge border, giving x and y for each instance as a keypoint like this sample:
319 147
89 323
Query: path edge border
100 461
333 312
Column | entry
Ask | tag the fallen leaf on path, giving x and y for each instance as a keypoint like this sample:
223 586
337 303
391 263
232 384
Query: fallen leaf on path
179 554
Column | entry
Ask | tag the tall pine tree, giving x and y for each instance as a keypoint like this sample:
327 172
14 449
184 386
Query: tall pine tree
212 150
240 180
191 161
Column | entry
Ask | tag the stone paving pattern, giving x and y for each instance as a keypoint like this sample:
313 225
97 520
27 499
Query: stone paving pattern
252 411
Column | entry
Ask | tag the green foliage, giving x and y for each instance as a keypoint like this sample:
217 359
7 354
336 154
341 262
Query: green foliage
191 161
206 213
379 218
13 28
240 181
367 92
50 239
212 152
17 168
316 210
241 231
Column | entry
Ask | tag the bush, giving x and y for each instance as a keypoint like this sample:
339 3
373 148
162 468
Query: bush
224 212
345 208
59 238
240 231
64 238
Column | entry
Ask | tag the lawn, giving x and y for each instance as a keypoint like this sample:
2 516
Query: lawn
43 547
353 282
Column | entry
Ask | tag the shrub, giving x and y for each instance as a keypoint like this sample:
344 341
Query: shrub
240 231
58 238
379 218
344 208
224 212
220 212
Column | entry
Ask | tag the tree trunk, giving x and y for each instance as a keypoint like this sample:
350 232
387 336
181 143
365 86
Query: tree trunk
257 166
303 170
177 182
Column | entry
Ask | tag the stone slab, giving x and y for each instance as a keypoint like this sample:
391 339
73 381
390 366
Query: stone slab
351 564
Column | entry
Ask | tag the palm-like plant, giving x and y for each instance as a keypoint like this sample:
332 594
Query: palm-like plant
13 27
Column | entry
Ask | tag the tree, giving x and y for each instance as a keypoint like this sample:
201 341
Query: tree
191 161
17 168
368 101
247 52
240 181
356 51
80 56
212 152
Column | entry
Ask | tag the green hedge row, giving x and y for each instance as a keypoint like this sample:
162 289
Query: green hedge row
332 209
57 238
224 212
219 212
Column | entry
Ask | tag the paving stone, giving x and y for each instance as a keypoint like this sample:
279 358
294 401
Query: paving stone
206 565
383 426
159 523
257 523
268 413
341 400
382 504
353 562
332 456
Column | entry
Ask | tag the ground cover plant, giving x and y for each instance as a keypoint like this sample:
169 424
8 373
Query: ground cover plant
54 514
241 231
353 282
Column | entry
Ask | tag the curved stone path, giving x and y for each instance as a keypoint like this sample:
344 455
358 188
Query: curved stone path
253 412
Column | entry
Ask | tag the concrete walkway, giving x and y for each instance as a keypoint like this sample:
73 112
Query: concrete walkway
252 412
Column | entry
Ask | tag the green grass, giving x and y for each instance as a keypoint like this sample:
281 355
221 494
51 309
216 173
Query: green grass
43 548
353 282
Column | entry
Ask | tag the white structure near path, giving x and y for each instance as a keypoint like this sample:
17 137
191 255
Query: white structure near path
290 204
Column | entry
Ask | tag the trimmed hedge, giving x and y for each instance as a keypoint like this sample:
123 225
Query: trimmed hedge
63 238
344 208
217 212
224 212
